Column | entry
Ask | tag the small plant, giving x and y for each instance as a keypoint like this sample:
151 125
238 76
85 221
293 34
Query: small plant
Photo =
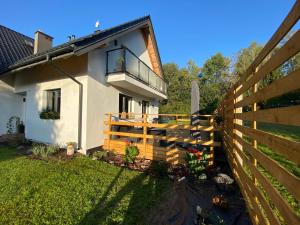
49 115
100 154
37 149
52 149
197 163
131 152
43 150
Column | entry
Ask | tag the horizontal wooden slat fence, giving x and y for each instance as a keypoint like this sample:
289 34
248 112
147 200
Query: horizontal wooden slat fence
255 171
172 129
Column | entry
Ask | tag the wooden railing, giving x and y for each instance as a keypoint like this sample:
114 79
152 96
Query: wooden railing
159 136
271 191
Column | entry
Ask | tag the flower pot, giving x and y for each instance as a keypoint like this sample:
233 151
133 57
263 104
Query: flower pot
70 150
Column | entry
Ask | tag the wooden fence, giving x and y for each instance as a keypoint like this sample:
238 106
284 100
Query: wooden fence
257 173
159 136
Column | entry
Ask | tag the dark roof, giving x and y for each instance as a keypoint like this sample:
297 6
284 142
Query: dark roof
81 43
13 47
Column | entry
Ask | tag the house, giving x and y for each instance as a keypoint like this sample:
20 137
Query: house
62 93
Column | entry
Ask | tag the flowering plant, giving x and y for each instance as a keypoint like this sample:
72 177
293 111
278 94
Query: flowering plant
196 161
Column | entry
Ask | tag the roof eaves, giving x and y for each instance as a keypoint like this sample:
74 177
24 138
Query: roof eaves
88 47
42 56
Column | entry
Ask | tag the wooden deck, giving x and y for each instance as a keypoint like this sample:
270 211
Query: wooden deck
163 146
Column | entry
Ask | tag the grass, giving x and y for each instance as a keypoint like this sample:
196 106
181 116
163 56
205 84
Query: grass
291 133
77 191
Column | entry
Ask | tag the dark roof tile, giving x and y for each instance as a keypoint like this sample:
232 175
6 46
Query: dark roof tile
13 47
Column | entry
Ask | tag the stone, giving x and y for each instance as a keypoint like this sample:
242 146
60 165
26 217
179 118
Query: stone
171 177
181 179
223 178
202 177
20 147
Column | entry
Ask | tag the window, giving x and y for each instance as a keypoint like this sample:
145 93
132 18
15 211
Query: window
53 100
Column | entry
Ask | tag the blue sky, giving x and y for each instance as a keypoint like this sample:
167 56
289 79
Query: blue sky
185 29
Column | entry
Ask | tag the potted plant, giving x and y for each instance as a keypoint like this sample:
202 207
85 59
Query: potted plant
71 148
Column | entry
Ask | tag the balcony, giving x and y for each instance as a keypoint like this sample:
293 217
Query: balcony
124 69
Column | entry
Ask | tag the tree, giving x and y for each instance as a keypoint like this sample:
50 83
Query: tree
215 82
179 85
245 57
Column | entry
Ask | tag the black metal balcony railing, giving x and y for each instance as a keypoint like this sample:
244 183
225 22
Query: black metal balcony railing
122 60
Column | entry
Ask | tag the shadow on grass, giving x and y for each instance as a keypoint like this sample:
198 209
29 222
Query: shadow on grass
7 153
141 190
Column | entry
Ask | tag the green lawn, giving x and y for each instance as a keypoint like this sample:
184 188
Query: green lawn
288 132
77 191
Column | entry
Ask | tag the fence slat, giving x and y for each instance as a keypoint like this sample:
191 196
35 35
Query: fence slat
279 87
283 115
290 20
165 138
250 166
164 126
290 181
252 188
291 48
285 147
285 210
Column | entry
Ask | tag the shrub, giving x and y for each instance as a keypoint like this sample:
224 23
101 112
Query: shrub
131 152
100 154
159 168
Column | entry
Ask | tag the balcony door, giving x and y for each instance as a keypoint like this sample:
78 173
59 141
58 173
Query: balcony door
145 107
124 103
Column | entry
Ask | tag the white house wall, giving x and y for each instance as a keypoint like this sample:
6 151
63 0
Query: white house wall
39 79
104 98
136 43
10 105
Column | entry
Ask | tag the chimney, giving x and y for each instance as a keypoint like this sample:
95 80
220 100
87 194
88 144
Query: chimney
42 42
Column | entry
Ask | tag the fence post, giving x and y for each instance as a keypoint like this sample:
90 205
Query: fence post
254 142
212 153
109 129
145 133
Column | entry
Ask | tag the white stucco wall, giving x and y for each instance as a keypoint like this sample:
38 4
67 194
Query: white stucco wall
34 82
135 42
10 104
104 98
52 131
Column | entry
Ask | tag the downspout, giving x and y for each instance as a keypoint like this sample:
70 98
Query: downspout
80 85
